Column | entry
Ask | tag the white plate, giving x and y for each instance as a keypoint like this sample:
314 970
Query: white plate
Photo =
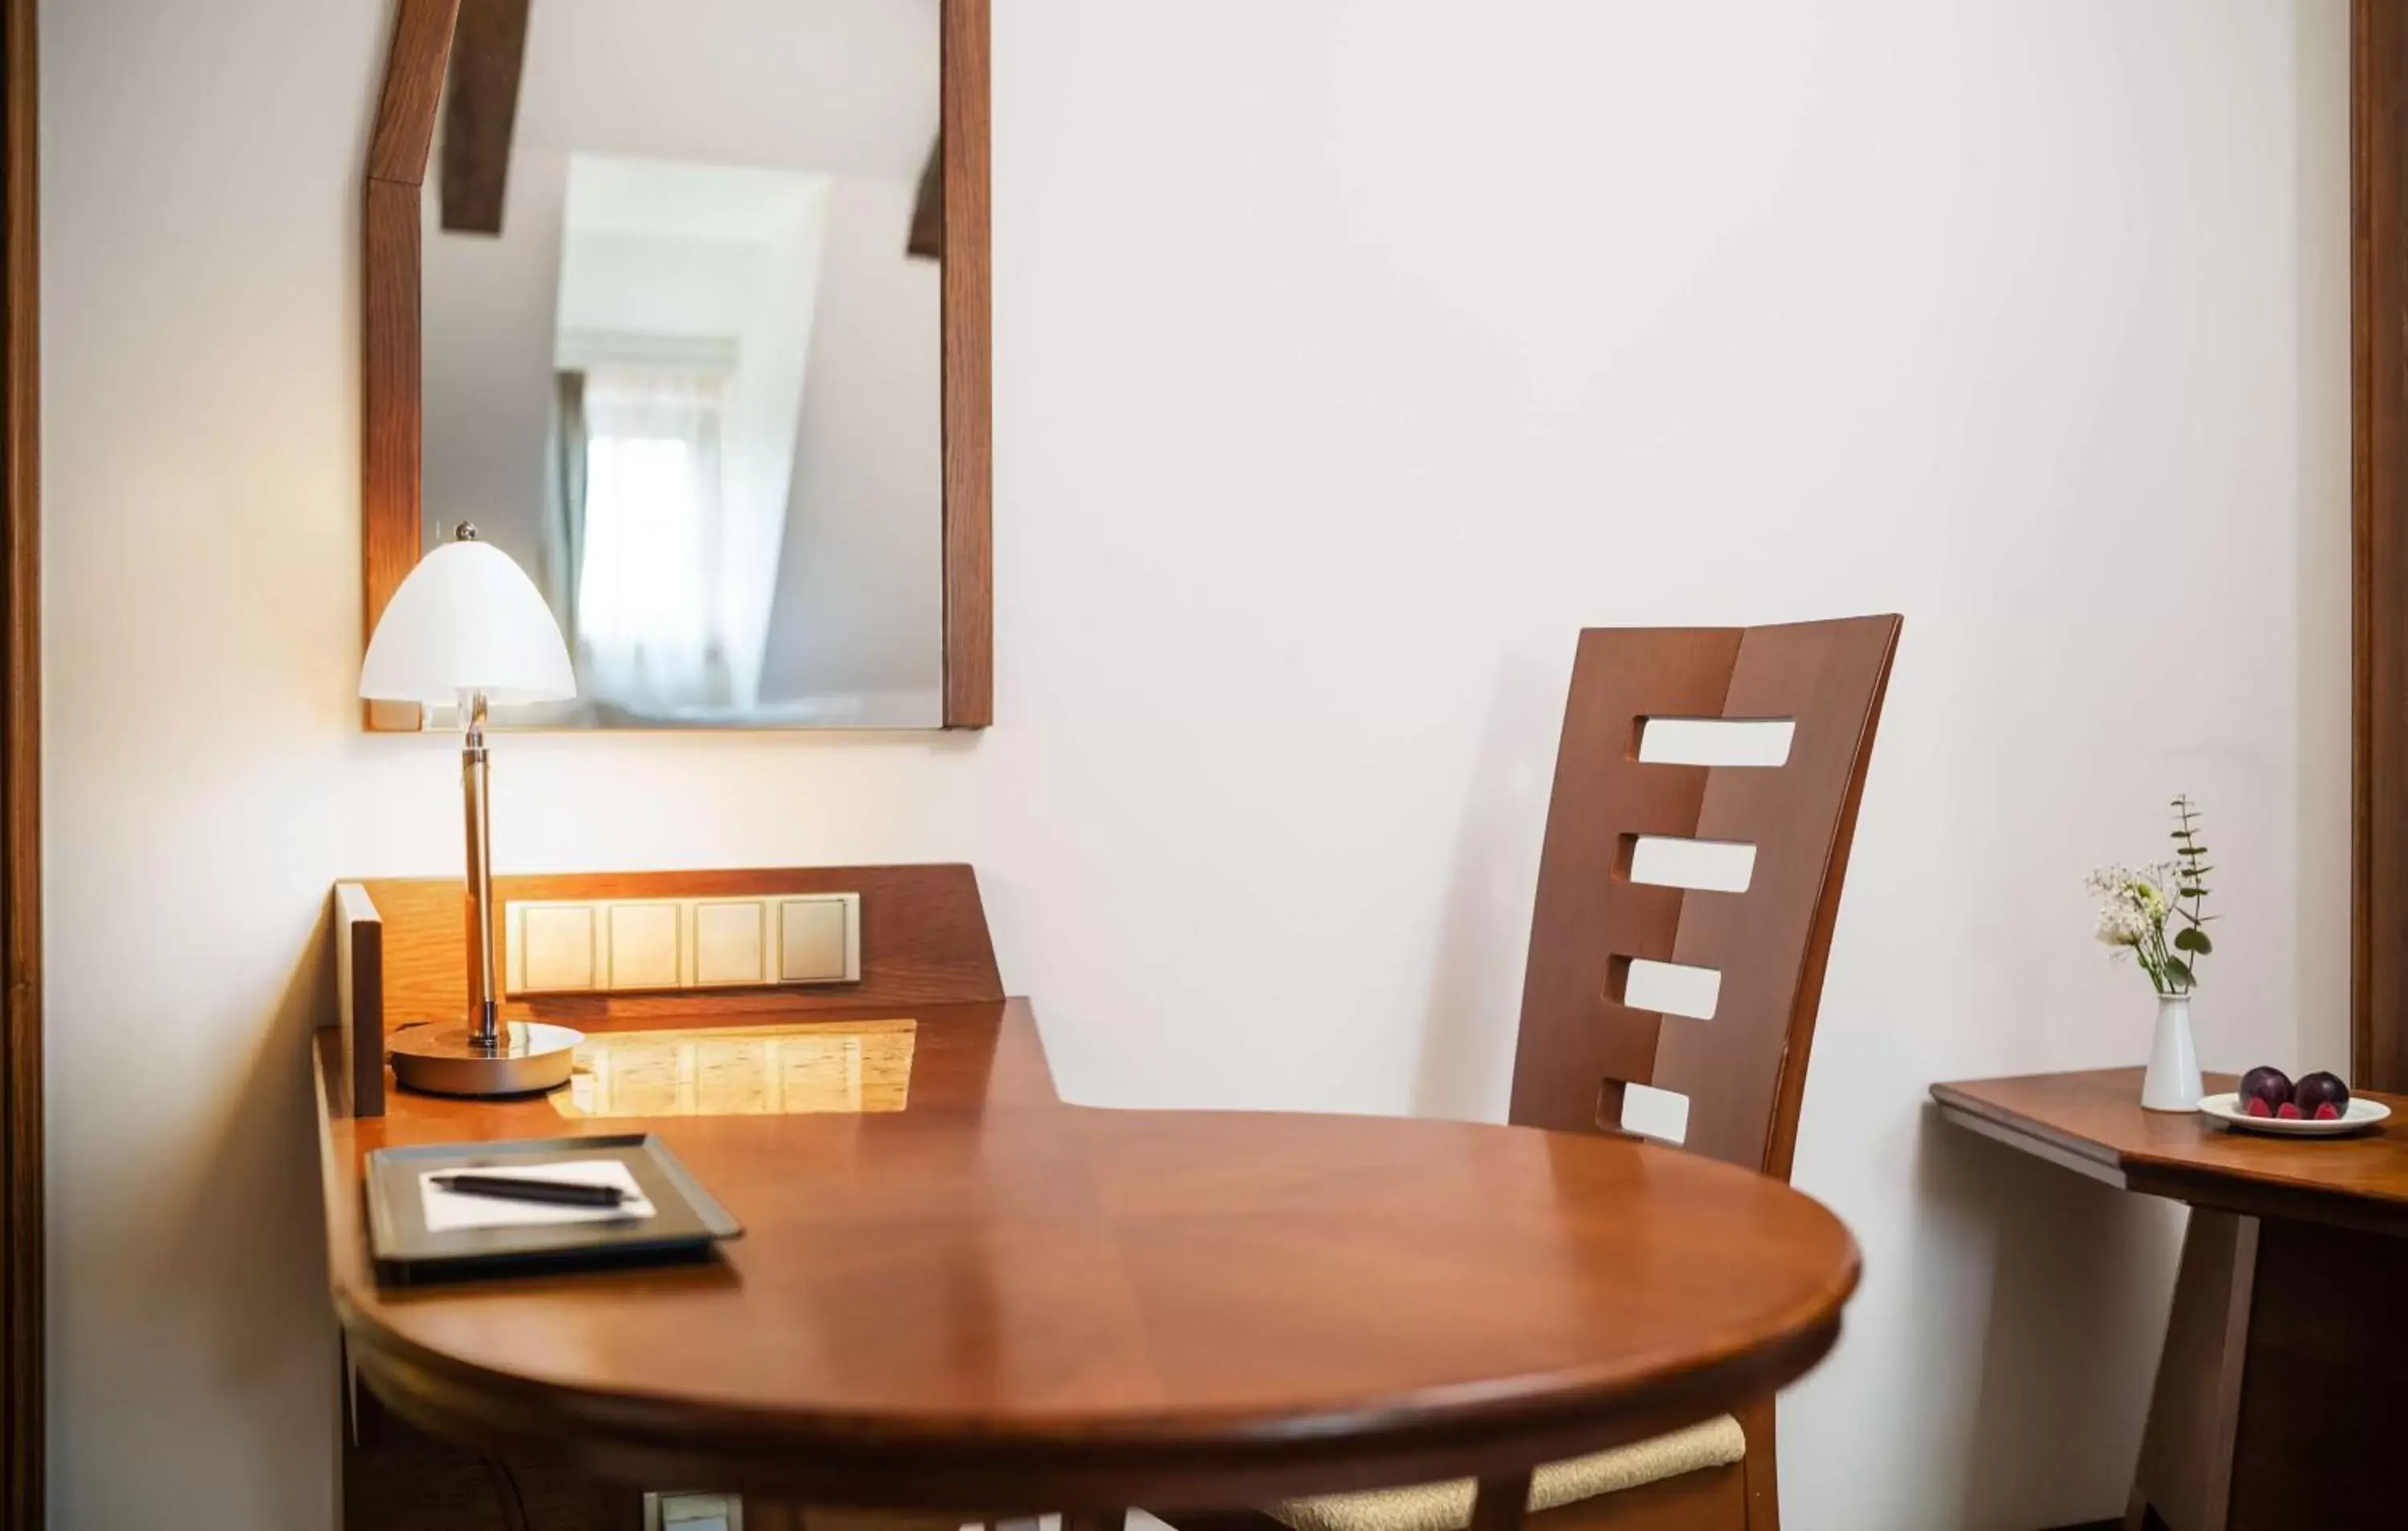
2361 1114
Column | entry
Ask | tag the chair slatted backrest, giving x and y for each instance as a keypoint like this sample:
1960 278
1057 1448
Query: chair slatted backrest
1596 928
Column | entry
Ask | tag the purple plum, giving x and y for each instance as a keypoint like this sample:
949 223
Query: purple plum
2268 1087
2317 1091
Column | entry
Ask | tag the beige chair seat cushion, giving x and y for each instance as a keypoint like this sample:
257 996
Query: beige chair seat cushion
1447 1506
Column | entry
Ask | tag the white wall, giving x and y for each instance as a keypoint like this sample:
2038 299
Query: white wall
1322 423
486 326
859 595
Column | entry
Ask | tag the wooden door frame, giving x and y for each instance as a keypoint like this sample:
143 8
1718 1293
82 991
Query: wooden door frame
21 1385
2378 132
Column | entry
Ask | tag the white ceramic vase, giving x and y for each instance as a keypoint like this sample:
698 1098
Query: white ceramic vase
2174 1082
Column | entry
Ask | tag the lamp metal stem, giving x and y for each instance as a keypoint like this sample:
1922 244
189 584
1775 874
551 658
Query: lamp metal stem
475 786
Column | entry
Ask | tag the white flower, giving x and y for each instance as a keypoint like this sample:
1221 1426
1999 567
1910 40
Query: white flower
2132 902
2121 924
2137 903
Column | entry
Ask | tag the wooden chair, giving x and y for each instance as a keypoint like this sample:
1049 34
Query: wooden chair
1743 1070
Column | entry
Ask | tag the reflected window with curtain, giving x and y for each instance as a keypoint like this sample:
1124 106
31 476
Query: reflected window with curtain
646 531
564 522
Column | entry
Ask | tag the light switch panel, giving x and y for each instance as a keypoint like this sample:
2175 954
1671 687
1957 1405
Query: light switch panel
634 945
730 944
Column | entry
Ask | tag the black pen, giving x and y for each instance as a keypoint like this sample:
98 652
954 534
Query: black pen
515 1188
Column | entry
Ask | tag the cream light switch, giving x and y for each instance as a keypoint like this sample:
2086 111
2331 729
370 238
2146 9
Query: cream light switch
559 948
813 940
692 1512
644 945
730 944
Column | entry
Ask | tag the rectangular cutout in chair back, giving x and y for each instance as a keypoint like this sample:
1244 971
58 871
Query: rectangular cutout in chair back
1668 988
1716 741
1660 1114
1670 862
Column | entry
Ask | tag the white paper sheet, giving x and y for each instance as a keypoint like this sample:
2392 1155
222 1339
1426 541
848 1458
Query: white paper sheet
449 1211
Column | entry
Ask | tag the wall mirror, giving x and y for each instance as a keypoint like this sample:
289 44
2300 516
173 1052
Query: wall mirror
683 305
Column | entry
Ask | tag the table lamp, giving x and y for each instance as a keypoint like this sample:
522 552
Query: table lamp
467 627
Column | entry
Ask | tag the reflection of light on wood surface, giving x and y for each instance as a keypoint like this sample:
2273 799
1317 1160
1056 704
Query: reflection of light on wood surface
788 1070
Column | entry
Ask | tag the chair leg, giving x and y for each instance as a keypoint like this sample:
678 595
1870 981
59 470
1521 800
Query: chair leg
1501 1503
1763 1475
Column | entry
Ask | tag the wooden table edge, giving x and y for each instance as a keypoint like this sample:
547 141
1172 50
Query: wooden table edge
2084 1156
964 1464
938 1465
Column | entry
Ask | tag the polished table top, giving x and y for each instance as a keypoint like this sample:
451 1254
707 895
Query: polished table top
2092 1121
995 1300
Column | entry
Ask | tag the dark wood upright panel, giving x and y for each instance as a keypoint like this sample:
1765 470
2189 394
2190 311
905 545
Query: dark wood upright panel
2379 474
20 816
359 997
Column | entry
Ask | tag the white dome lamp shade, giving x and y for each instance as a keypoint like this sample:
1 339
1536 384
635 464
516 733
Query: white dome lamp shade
467 619
468 627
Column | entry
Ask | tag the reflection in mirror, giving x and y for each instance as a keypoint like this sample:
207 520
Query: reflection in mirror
693 380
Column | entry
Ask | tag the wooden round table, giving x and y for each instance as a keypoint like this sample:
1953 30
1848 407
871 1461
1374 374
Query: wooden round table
1050 1308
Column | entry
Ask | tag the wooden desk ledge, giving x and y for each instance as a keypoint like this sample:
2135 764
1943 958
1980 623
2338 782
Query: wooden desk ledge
2285 1345
2092 1123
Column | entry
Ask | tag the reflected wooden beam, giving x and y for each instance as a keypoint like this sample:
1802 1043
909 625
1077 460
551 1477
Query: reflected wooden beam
928 215
480 109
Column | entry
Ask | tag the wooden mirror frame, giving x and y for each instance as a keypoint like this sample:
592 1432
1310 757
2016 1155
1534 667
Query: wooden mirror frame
390 483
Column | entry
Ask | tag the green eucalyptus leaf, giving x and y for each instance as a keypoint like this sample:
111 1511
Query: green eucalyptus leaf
2179 971
2191 938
